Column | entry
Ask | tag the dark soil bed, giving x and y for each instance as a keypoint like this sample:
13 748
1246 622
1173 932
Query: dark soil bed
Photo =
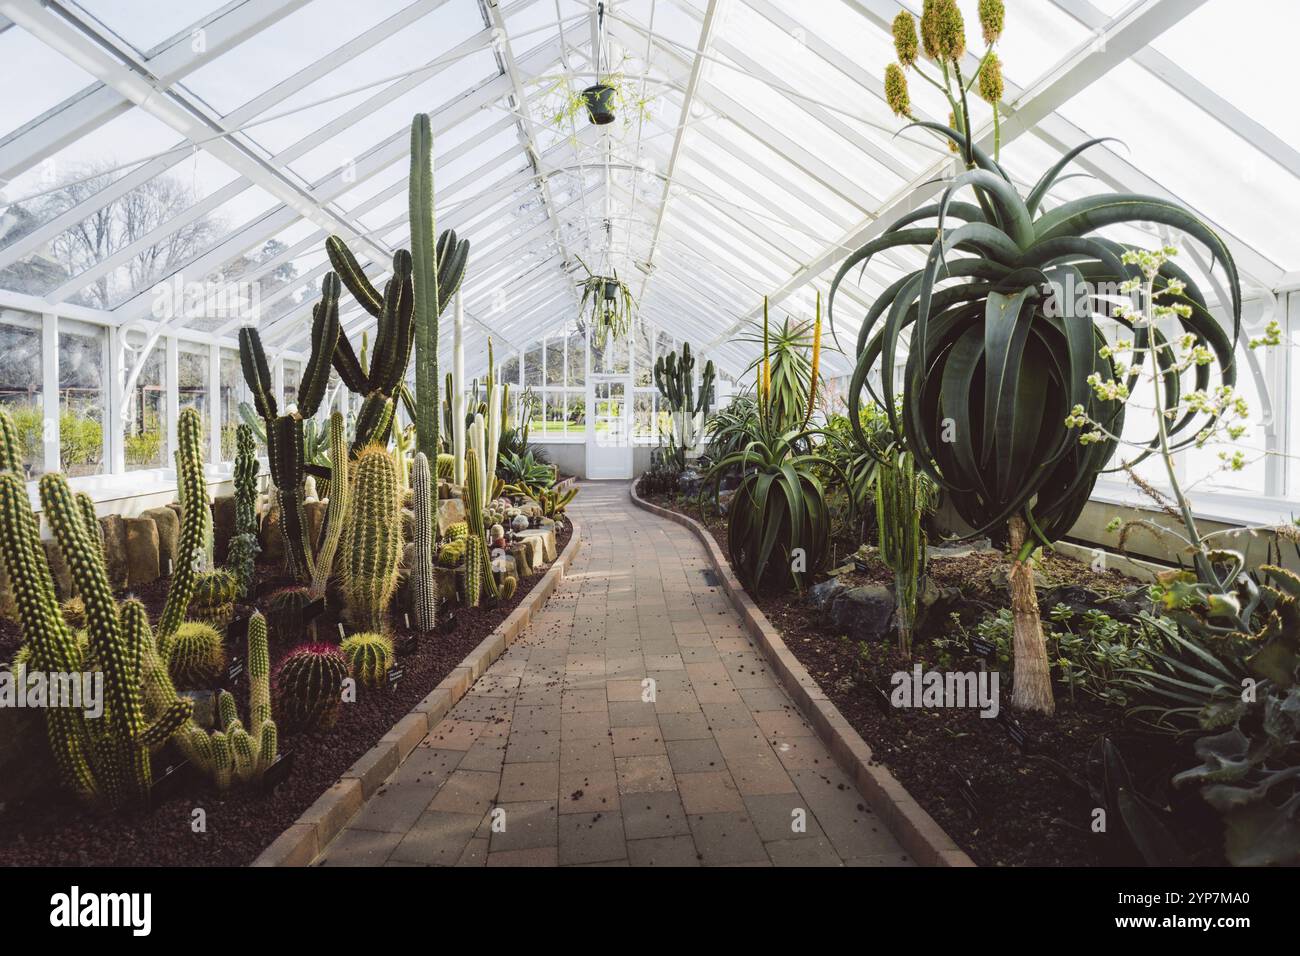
53 830
1003 806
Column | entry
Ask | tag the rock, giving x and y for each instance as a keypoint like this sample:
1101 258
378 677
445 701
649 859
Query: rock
272 538
864 613
168 522
504 565
531 542
522 554
223 526
450 511
142 560
724 499
959 549
58 569
689 481
309 489
1080 600
821 595
546 546
448 491
408 556
315 512
113 530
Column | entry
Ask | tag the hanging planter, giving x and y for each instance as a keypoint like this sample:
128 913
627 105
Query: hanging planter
607 304
601 102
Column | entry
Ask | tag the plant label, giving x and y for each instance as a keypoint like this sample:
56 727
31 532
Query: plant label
1017 734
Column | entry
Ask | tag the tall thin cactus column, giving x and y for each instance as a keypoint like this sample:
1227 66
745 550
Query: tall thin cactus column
424 261
902 498
373 547
339 505
456 394
478 553
675 379
242 556
196 518
424 595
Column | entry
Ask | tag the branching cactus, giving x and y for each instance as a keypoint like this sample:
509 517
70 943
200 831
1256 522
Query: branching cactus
675 379
339 506
196 518
284 433
374 540
477 558
424 596
242 556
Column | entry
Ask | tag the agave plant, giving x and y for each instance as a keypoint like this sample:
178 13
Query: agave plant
1005 347
524 470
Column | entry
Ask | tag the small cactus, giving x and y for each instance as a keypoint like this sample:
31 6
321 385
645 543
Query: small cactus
195 655
369 656
74 613
508 586
457 532
286 613
309 686
423 596
452 554
446 467
215 593
373 540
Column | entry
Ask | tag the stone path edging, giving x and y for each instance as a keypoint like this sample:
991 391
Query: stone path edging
300 844
911 825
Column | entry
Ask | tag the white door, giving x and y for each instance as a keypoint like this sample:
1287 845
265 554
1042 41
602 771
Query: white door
609 439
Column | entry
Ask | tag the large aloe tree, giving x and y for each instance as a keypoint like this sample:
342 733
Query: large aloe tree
1005 345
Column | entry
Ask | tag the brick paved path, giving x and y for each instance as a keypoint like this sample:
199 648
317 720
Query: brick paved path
554 758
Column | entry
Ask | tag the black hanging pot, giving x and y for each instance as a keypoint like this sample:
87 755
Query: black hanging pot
600 104
611 291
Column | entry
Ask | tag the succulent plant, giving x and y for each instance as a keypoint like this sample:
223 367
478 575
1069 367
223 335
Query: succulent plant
309 686
241 556
477 551
196 523
457 531
369 656
452 553
373 540
475 557
74 613
446 467
195 655
339 506
213 601
286 613
508 586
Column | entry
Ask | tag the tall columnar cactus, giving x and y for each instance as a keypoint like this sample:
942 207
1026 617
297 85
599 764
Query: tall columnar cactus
473 570
476 552
456 392
675 379
903 495
339 506
424 598
103 760
374 540
284 433
402 459
196 518
242 554
424 259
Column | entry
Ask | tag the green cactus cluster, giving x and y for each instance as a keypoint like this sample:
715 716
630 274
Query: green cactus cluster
284 433
309 686
452 553
373 545
675 379
340 505
424 597
236 753
105 761
903 496
286 613
195 655
369 656
241 557
213 600
196 523
457 531
554 502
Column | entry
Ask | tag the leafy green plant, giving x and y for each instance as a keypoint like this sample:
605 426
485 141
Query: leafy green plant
524 470
784 367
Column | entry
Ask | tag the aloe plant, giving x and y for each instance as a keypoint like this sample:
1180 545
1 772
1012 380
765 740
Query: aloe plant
1002 358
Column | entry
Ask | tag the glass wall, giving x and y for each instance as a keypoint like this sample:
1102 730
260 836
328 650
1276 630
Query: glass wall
83 398
21 392
231 391
192 368
146 430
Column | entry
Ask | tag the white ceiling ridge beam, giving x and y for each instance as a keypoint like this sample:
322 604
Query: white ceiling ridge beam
795 153
1139 25
683 124
96 104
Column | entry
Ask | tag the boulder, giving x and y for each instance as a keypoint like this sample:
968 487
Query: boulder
408 556
168 522
822 595
864 613
447 491
142 561
543 543
58 569
113 530
223 526
315 512
450 511
522 555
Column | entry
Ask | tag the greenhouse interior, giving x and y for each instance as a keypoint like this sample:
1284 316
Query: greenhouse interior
649 433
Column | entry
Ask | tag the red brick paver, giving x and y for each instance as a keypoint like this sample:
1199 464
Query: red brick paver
633 722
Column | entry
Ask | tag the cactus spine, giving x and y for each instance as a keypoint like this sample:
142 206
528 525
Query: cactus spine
339 506
473 570
477 558
902 497
424 595
244 548
374 539
194 655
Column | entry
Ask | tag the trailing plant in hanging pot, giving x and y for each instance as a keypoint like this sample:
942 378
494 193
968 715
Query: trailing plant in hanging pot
607 304
601 103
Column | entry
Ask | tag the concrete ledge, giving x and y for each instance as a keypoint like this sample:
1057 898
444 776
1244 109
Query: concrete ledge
306 838
915 830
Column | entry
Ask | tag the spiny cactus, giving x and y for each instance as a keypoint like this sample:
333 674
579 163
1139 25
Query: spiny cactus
214 597
74 613
284 433
675 379
508 585
373 546
339 506
309 686
103 760
285 613
194 655
474 559
474 519
554 502
242 554
456 531
196 520
446 467
423 594
903 495
369 656
452 553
